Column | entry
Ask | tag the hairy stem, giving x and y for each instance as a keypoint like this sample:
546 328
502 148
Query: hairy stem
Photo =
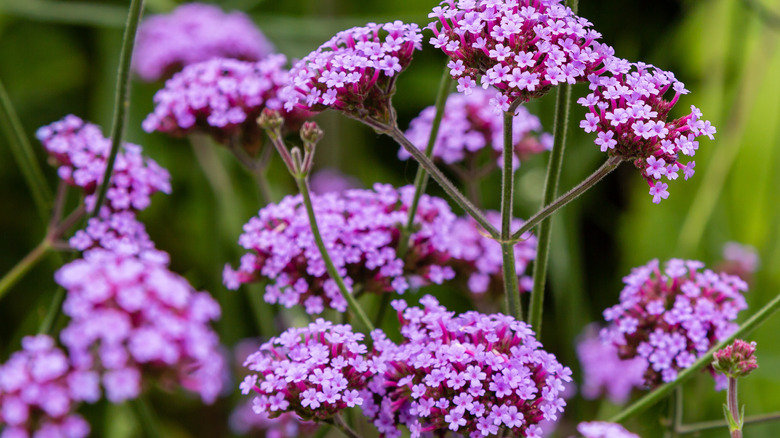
717 424
733 405
512 291
122 100
145 417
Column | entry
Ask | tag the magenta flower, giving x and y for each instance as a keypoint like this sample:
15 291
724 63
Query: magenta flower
195 32
523 48
223 98
355 72
117 232
315 372
361 229
672 317
82 153
40 389
132 320
473 374
628 112
603 372
470 125
602 429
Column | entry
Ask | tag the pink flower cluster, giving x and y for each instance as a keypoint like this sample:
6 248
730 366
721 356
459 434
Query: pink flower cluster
604 372
479 259
131 319
736 360
473 374
119 232
82 153
670 318
602 429
221 97
39 390
361 229
355 71
521 47
192 33
316 371
469 125
628 111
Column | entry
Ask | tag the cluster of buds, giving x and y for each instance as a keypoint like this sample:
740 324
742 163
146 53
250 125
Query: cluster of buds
736 360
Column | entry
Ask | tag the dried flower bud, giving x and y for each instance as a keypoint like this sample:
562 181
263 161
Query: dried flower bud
736 360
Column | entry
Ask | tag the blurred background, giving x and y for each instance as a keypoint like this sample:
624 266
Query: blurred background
60 57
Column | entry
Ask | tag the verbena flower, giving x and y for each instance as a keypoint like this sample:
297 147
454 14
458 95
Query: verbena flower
603 429
40 389
470 125
82 154
118 232
523 48
329 180
192 33
223 98
672 317
472 374
628 112
132 320
244 421
361 230
736 360
478 258
604 372
315 372
355 72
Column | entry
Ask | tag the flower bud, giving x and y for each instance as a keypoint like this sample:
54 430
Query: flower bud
737 359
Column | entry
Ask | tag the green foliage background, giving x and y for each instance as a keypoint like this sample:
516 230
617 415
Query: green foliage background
60 57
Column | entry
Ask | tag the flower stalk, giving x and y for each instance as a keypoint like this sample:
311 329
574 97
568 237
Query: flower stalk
511 289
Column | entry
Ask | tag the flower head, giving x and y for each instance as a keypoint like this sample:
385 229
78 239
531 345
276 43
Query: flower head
118 232
223 98
40 389
736 360
672 317
605 372
470 125
132 319
629 113
355 72
602 429
82 153
473 374
361 229
195 32
315 371
523 48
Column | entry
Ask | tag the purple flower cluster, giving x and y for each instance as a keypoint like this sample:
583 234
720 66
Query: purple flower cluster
602 429
222 97
82 153
316 371
469 125
671 318
119 232
354 72
361 229
604 372
628 111
736 360
521 47
131 318
192 33
244 421
479 258
39 390
473 374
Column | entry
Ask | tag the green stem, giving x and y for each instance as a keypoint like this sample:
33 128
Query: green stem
717 424
554 165
662 391
28 262
52 313
303 187
511 289
71 12
675 408
344 427
384 303
439 177
24 155
122 100
590 181
421 178
146 418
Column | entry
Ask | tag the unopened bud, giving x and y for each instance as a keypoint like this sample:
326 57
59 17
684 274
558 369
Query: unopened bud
311 134
270 120
737 359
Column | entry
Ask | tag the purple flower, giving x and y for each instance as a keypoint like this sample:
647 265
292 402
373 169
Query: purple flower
676 315
602 429
118 232
355 72
523 49
245 421
193 33
132 319
314 371
480 372
604 372
469 125
628 111
40 389
329 180
82 153
361 229
223 98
